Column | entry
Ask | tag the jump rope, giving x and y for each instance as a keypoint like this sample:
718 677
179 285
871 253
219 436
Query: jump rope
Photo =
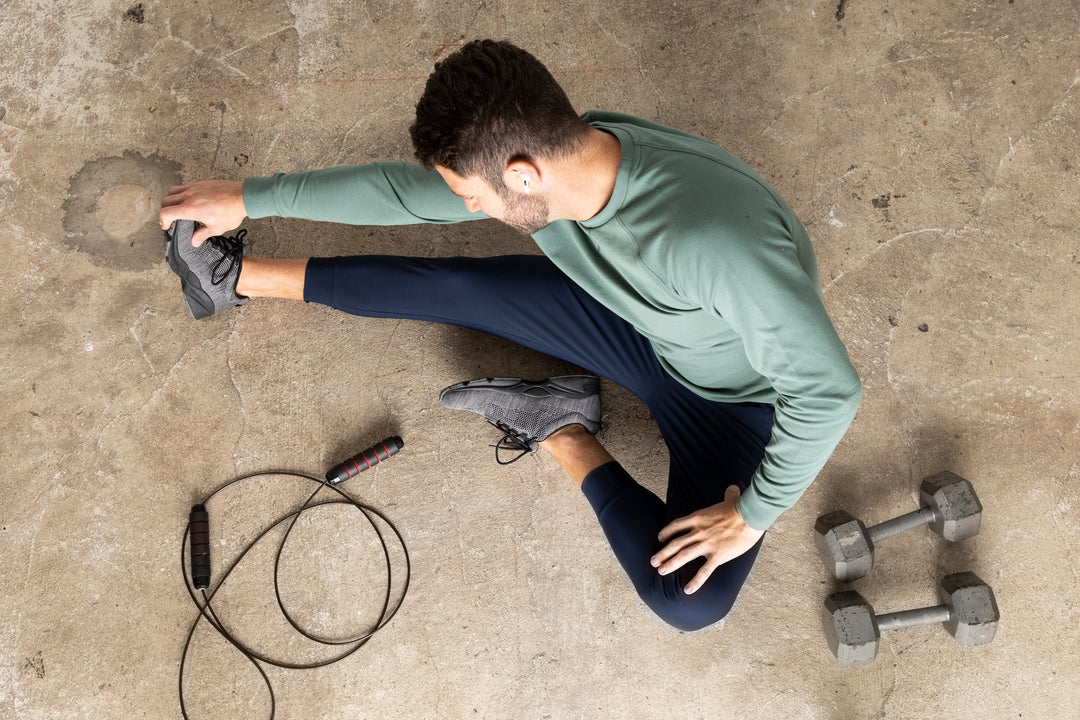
198 579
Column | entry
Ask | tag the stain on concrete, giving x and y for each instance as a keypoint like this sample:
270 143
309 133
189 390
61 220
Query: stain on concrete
882 202
35 665
3 112
111 209
447 45
924 328
137 14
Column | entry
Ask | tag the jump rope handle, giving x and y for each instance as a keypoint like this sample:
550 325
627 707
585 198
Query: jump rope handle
362 461
199 529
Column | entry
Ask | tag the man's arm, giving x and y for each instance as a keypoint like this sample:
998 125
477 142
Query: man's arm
373 194
758 285
383 193
777 310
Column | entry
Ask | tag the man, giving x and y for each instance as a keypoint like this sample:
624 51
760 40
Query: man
671 269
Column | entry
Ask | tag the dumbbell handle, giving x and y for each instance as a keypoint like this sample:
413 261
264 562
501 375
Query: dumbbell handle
913 519
908 618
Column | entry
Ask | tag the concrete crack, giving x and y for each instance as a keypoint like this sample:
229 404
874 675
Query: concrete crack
1057 111
138 341
893 381
902 61
1066 528
269 149
153 395
765 54
26 582
633 52
221 131
944 232
883 713
858 71
204 55
1059 106
258 40
338 145
239 395
386 346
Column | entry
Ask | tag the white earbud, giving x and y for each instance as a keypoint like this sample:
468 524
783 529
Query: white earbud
525 182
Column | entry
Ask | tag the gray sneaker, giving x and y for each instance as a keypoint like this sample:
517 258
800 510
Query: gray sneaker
208 273
528 412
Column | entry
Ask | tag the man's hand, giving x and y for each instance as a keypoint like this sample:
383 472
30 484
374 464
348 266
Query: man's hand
717 533
217 204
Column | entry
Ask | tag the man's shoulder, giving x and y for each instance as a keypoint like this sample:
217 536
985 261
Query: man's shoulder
632 123
692 157
682 185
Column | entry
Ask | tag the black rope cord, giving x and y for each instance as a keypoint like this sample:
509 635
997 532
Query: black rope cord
390 603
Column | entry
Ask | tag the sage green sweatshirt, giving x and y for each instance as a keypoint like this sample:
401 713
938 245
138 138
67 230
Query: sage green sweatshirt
695 250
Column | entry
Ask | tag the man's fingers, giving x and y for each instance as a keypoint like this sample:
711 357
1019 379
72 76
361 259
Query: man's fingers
699 579
675 536
176 193
201 235
669 550
675 527
166 218
170 209
170 200
682 557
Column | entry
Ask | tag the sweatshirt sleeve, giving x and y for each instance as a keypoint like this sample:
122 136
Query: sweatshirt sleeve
389 193
757 283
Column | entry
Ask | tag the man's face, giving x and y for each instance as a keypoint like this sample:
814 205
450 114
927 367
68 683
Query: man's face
523 212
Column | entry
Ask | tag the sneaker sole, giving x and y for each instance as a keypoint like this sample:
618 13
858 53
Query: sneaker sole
567 386
198 302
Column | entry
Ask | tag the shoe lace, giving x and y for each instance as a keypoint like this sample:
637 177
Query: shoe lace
232 249
511 441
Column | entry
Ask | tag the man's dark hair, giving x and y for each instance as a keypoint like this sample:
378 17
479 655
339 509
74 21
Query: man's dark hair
488 104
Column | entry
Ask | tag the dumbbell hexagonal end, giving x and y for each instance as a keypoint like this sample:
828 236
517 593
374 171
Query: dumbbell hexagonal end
850 628
957 510
974 612
844 545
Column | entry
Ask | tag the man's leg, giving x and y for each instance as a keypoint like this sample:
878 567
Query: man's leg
578 451
272 277
522 298
527 300
711 446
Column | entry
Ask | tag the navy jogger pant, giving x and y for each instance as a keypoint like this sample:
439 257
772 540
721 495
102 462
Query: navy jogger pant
526 299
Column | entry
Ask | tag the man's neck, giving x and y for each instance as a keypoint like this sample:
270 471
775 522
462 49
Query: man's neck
585 181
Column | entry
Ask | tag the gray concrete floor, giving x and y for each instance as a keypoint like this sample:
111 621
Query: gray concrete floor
931 150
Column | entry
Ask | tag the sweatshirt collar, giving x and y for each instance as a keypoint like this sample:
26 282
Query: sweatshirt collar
622 179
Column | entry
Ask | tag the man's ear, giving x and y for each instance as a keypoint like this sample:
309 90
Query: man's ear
523 176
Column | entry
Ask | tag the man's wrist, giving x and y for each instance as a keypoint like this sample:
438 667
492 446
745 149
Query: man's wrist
243 201
745 506
257 197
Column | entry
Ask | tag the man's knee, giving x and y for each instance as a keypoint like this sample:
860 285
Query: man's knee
688 613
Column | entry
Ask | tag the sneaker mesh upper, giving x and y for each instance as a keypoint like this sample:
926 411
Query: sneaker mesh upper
531 411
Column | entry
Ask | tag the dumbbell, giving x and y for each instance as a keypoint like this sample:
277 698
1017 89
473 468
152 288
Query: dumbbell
949 505
968 611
